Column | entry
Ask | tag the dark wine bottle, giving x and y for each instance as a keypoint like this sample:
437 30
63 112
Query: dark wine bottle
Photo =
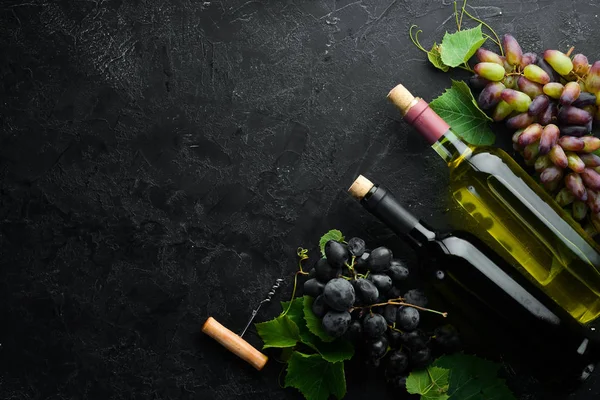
492 295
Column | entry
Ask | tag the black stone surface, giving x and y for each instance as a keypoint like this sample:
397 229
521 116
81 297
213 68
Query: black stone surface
161 161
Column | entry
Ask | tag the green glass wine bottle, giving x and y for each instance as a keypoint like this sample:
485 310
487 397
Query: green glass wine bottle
515 216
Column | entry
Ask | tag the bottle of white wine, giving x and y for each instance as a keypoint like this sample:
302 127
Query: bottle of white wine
498 300
514 216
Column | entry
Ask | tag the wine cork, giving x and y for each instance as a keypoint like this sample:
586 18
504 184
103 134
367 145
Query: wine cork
360 187
402 98
234 343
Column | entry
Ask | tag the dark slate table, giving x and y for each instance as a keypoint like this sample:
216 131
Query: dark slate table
160 162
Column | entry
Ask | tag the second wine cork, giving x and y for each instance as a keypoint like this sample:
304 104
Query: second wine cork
234 343
360 187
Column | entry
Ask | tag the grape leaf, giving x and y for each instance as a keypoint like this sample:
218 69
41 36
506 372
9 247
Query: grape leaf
278 332
333 234
434 396
336 350
459 109
435 58
313 322
418 382
473 378
430 383
296 311
439 379
458 47
315 377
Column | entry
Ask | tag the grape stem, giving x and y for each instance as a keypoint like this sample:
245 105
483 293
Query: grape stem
497 40
568 54
302 255
466 67
462 12
399 302
351 267
415 39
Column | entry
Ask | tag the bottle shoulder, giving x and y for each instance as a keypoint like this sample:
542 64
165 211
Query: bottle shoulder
488 159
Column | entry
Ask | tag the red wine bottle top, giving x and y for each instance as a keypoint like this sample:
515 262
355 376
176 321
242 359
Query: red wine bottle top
418 113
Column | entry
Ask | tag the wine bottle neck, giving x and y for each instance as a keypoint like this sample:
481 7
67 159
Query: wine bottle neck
436 131
381 203
451 148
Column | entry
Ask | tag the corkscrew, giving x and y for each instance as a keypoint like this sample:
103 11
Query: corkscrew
235 343
270 295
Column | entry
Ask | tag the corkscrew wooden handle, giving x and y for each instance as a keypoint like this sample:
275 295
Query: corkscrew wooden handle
234 343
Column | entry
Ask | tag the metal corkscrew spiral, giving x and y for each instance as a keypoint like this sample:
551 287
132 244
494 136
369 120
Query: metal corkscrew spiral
267 299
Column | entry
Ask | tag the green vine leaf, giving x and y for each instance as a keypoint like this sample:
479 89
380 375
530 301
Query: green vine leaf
473 378
279 332
457 48
435 57
333 234
315 377
418 382
430 383
458 108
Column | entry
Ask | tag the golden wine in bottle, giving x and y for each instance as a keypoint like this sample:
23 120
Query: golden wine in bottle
514 216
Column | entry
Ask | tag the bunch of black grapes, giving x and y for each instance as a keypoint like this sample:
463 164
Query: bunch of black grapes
359 296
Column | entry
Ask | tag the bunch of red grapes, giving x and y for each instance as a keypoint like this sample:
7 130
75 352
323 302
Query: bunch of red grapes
552 101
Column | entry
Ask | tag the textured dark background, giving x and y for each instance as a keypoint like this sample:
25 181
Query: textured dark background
160 161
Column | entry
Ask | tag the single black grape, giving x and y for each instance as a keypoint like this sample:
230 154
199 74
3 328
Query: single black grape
447 339
335 323
398 271
311 274
313 287
380 259
354 332
361 263
397 362
408 318
398 382
374 325
414 340
421 358
319 308
394 338
416 297
356 246
325 271
382 298
377 347
585 99
373 363
366 291
339 294
477 82
394 293
337 253
381 281
389 313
